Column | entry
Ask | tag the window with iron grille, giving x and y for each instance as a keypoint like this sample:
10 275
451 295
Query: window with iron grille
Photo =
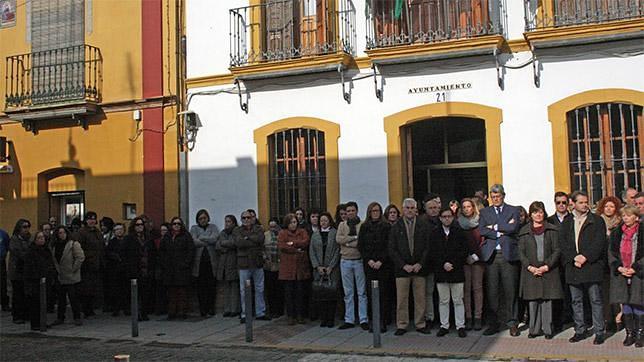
297 170
605 149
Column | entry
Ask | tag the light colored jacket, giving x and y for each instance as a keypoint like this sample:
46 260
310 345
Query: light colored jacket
204 239
69 268
348 244
324 258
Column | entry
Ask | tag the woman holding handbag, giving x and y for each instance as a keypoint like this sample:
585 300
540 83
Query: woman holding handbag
325 259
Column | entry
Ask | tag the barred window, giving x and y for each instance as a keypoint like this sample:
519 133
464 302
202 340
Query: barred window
605 149
297 170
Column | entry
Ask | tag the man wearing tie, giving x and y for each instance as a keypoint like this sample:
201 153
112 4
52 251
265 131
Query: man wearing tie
499 225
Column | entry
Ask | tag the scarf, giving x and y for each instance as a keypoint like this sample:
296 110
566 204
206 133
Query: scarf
538 230
626 247
468 223
352 226
611 222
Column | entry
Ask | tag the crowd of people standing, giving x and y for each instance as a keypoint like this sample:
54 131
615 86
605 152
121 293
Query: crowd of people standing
494 263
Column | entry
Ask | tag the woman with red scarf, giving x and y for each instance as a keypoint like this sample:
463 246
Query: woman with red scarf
626 261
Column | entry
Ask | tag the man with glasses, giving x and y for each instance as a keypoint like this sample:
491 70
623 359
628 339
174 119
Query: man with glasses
562 310
249 240
499 225
91 240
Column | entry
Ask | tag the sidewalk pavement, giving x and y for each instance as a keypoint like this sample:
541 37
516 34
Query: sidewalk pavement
276 334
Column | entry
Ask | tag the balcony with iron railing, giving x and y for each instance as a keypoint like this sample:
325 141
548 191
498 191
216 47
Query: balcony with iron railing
548 20
53 77
420 26
290 31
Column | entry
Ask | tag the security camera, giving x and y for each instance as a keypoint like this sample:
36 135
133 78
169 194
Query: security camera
192 120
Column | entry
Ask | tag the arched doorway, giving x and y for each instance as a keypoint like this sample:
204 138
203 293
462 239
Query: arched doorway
61 193
400 164
446 156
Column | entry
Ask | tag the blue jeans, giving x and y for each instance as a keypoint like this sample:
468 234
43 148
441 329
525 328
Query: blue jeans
257 276
353 276
595 297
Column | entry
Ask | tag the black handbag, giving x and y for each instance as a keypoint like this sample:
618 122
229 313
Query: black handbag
325 289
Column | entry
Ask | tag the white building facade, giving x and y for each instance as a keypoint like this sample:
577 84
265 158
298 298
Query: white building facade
315 102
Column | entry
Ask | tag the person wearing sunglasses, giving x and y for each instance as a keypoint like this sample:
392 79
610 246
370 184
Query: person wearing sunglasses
18 246
136 250
561 206
177 252
249 240
204 234
562 308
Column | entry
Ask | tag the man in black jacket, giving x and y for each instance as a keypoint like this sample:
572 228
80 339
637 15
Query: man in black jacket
583 255
562 309
408 250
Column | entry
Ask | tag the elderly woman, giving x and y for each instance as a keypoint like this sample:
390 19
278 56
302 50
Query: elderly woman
540 283
626 262
468 220
204 235
226 266
293 244
325 258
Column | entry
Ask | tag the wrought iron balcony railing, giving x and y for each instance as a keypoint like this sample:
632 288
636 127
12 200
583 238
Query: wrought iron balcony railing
399 22
53 77
288 29
542 14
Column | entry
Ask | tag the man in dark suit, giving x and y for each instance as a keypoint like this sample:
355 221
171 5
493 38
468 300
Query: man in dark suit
562 309
408 249
499 225
583 254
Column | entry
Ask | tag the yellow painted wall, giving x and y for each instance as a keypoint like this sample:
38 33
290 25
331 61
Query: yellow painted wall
113 165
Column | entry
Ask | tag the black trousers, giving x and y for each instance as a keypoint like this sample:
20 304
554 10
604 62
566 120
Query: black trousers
294 293
68 291
160 299
4 297
326 310
206 284
18 301
502 274
383 277
274 292
33 301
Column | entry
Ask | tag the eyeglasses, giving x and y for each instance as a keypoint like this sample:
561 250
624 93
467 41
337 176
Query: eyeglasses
562 202
246 217
176 223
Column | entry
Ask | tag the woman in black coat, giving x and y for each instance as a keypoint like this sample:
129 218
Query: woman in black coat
177 252
539 253
626 262
38 264
116 285
373 246
136 251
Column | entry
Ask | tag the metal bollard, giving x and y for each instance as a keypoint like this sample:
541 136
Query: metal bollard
375 313
248 302
43 304
134 307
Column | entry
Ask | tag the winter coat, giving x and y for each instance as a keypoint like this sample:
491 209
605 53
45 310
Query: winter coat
373 240
113 258
17 250
271 252
69 267
250 246
226 255
38 264
294 259
451 249
348 243
204 239
592 245
176 255
399 248
620 291
547 286
91 240
329 257
136 257
508 223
